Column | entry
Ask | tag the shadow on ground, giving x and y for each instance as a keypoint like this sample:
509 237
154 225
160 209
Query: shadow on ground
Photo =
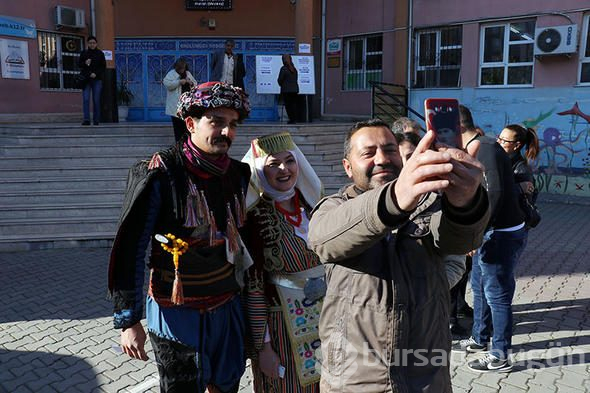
54 284
44 372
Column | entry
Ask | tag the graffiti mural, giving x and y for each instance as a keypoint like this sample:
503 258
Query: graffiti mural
560 116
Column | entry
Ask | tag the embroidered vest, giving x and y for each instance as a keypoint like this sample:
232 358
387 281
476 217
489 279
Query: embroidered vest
203 268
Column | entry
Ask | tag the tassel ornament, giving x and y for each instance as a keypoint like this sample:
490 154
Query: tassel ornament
178 248
238 210
177 292
212 229
193 202
203 210
156 162
243 212
231 231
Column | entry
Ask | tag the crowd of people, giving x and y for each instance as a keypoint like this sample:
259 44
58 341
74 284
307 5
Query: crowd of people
342 293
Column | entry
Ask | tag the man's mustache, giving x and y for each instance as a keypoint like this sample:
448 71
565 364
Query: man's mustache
380 168
221 139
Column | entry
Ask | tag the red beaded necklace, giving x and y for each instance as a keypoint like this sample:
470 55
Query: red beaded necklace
292 217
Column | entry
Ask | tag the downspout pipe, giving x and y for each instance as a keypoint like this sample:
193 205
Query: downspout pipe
323 63
93 18
410 40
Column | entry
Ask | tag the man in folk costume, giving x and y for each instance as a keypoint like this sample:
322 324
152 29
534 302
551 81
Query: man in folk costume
285 286
189 202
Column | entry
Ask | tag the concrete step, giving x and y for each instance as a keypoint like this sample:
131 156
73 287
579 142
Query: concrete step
69 183
249 130
70 129
69 161
77 140
107 170
41 226
64 197
71 172
33 168
80 210
26 151
63 185
252 129
25 242
321 140
49 152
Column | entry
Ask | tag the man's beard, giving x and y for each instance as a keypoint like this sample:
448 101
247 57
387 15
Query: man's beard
392 175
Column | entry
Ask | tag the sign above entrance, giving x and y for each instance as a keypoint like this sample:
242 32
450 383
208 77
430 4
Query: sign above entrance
17 27
208 4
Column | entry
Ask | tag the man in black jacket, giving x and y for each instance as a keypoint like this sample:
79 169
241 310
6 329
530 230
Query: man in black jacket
92 65
492 277
186 208
227 66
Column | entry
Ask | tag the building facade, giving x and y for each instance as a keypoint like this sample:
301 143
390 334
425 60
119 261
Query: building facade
522 62
39 58
144 41
365 41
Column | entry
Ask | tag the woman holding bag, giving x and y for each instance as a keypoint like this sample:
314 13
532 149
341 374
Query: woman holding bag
513 139
177 81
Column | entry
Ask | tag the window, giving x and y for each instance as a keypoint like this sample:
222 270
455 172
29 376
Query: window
363 57
507 54
58 60
585 53
438 57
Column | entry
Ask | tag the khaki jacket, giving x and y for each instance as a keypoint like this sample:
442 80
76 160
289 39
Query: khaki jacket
385 322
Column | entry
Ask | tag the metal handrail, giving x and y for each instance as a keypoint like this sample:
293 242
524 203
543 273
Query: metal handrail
379 86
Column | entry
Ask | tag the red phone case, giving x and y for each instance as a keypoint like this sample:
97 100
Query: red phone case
442 116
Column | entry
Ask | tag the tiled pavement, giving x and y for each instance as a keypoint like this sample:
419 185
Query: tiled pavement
56 335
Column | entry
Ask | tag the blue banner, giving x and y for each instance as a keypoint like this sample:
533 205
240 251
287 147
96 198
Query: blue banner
270 46
17 27
144 45
205 45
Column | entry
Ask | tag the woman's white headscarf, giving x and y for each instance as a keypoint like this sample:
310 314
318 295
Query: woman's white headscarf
308 183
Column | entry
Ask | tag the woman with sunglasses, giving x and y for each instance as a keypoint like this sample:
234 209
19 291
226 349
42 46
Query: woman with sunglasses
513 139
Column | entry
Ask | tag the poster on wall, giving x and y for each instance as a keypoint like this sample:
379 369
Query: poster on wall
15 59
334 47
304 48
267 73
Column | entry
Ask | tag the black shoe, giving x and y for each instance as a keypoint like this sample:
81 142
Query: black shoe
95 123
458 330
86 123
465 312
469 345
490 363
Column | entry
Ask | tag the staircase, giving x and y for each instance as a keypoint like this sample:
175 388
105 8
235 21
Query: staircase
62 185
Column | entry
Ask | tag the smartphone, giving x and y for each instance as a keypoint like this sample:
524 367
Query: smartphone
281 371
442 117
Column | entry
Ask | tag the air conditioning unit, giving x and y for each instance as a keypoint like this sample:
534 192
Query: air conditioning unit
556 40
69 17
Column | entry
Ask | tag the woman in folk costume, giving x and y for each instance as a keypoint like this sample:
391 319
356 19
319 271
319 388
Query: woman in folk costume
285 287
